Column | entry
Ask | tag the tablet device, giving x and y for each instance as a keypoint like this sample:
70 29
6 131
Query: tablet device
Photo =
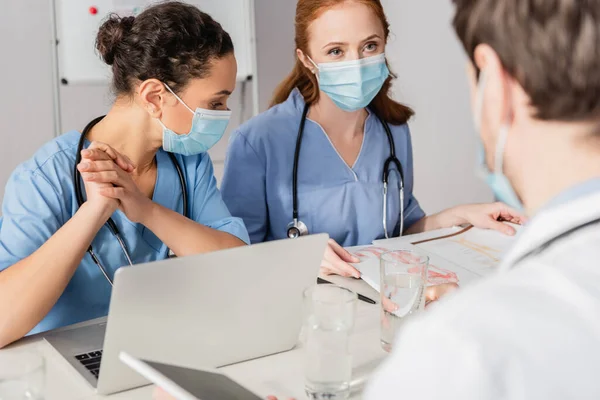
189 384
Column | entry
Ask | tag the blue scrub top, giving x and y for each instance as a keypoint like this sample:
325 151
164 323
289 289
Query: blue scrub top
346 203
40 198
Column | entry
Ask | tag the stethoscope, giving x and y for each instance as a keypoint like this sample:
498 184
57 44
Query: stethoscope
297 228
110 223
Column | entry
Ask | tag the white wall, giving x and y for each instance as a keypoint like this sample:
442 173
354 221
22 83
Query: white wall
423 51
430 64
25 77
275 44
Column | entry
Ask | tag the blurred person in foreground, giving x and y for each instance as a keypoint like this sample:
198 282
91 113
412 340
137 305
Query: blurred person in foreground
532 331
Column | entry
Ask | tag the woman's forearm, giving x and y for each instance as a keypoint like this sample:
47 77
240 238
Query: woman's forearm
444 219
184 236
30 288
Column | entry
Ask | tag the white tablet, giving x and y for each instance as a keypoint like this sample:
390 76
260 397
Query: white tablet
189 384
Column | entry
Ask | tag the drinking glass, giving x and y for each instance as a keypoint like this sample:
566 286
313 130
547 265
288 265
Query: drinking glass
403 281
330 314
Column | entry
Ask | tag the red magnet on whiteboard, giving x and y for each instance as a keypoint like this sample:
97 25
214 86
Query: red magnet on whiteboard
93 10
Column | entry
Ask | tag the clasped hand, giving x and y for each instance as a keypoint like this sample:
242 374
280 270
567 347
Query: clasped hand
107 175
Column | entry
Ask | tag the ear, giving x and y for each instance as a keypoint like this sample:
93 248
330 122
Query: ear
154 97
305 61
499 86
483 56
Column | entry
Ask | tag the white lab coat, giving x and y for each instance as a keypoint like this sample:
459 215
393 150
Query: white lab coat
531 331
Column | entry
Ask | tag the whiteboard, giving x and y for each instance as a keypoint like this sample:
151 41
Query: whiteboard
78 22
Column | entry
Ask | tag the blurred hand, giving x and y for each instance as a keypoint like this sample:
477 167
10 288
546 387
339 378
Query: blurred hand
275 398
488 216
103 166
434 293
160 394
336 259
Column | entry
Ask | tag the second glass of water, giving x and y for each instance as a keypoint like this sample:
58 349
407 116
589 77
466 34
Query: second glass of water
330 314
403 280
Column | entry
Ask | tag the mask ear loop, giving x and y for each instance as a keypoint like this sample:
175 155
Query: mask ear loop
478 117
178 98
479 99
500 146
503 134
316 66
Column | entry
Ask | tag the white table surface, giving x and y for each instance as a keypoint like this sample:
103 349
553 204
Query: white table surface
281 374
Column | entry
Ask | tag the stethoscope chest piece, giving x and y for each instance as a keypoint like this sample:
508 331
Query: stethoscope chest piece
296 228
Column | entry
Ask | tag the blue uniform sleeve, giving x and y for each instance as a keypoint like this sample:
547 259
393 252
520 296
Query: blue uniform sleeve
209 208
32 211
412 210
244 187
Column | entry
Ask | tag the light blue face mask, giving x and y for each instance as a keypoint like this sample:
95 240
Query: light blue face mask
496 180
208 127
352 85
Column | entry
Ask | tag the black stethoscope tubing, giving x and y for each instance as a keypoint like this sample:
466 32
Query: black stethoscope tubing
297 228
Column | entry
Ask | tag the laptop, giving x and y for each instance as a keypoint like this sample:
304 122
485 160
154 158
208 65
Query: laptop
208 310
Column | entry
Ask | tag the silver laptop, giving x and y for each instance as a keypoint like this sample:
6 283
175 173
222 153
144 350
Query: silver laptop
208 310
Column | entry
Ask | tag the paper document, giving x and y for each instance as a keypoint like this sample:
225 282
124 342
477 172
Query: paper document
439 270
456 256
477 250
369 263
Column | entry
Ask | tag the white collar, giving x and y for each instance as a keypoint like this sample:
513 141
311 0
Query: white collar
551 224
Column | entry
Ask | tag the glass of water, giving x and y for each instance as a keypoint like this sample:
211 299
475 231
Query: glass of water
22 375
403 281
330 314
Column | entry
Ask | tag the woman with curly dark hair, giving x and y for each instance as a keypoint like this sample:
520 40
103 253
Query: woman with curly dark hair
135 186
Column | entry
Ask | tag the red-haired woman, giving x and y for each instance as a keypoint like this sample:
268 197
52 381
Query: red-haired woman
316 161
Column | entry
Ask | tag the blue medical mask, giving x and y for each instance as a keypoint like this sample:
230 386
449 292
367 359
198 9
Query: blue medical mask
352 85
208 127
496 180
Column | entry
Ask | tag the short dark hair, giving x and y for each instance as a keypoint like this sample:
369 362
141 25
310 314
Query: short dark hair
551 47
172 42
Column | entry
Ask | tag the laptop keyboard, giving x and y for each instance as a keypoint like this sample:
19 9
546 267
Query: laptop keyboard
91 361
